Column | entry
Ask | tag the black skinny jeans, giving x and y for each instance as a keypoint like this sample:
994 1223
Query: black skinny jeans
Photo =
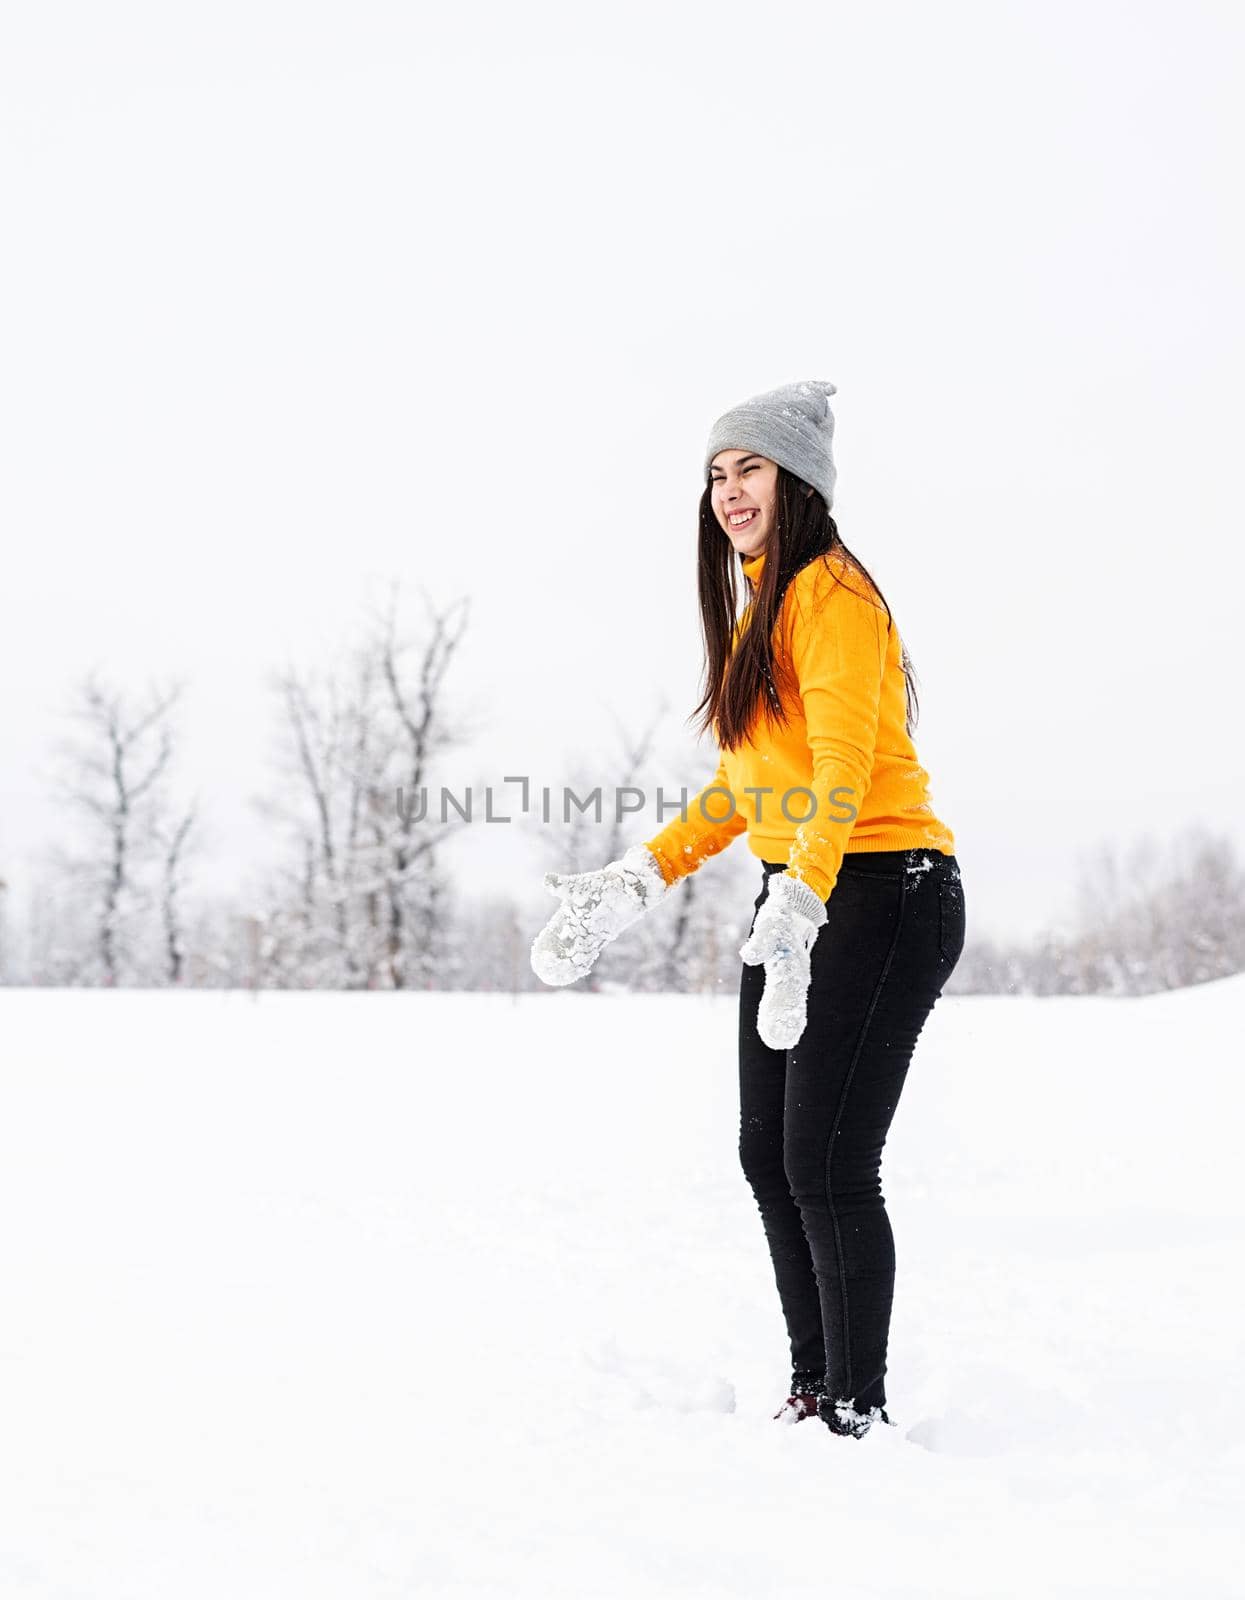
813 1119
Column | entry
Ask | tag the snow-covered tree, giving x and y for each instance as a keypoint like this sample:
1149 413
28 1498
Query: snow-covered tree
108 908
361 900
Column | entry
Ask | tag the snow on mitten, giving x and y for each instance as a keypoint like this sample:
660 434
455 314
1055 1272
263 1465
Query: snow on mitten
783 930
596 907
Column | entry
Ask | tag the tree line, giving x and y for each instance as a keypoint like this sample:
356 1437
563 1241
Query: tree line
359 895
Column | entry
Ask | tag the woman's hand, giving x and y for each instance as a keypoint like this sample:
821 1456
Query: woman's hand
596 907
783 931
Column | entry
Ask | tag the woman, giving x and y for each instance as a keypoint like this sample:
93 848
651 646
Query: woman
860 918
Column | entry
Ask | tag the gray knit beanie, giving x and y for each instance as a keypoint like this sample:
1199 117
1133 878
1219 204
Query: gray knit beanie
793 426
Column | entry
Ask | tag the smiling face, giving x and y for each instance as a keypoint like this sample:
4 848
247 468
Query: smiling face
745 486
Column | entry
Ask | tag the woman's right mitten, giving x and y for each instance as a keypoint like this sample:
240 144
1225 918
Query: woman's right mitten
783 933
595 908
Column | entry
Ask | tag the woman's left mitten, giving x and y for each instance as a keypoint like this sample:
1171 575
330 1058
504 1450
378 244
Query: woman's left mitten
595 908
783 933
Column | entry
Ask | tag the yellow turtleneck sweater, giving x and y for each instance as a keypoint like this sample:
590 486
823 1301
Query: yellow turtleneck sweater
846 740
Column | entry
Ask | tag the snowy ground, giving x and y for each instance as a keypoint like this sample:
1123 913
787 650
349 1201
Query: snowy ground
462 1296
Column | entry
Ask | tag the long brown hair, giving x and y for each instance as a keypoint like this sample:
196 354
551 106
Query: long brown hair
753 674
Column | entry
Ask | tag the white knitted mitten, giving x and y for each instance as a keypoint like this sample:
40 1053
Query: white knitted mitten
596 907
783 932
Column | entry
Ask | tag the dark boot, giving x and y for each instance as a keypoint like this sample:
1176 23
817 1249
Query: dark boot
841 1416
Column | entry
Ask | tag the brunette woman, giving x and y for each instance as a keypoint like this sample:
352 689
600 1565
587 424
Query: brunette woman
860 918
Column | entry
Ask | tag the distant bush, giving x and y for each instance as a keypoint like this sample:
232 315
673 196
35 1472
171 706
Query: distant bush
1147 919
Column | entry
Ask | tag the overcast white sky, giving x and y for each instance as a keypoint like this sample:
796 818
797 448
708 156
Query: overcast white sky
298 298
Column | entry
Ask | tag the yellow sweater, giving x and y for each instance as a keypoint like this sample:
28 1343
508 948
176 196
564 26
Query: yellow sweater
846 741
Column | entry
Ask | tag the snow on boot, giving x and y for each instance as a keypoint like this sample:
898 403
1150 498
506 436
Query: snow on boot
841 1416
796 1407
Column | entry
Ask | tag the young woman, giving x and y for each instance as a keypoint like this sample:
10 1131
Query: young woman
860 918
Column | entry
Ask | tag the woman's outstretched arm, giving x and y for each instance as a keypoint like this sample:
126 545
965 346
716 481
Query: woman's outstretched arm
681 847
